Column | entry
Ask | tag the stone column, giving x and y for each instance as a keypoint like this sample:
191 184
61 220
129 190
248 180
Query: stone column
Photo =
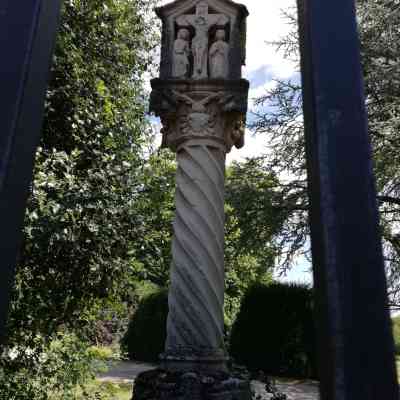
196 297
201 123
202 102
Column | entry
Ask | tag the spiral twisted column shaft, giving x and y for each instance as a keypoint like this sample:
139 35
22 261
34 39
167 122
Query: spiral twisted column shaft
196 297
201 121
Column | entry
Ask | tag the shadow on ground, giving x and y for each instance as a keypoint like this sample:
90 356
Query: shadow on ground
126 371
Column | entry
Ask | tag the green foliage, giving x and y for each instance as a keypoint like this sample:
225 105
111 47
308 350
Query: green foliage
249 254
60 370
251 225
108 391
274 330
146 334
81 223
278 116
152 249
254 204
396 334
379 23
81 214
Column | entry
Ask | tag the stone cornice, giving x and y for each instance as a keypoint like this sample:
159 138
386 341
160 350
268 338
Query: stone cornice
195 112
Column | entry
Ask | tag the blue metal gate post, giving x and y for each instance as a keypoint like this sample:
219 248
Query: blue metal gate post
356 348
27 34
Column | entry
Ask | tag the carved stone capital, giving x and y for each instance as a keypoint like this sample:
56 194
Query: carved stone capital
203 112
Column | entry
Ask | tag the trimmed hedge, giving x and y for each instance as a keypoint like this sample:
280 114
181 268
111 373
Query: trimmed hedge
396 334
274 331
146 334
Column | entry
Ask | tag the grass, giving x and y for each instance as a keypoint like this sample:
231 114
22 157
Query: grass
99 390
109 390
105 356
396 333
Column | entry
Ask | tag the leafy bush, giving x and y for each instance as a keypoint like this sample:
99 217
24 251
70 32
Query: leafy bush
396 334
274 330
60 370
82 225
146 334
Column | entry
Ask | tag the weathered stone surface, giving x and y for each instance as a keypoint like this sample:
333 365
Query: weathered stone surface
202 103
219 57
202 120
166 385
210 112
181 63
179 358
201 22
202 18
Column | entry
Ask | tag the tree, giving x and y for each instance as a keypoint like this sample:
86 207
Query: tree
279 118
249 252
81 221
252 224
379 25
151 255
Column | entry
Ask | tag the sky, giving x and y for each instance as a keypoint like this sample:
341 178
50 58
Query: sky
264 24
264 64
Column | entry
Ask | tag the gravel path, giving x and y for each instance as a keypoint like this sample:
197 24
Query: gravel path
295 390
125 372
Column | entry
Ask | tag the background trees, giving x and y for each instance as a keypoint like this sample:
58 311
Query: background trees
379 27
98 224
279 118
82 223
251 229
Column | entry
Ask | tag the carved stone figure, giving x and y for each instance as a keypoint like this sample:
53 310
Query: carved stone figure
199 121
202 22
180 67
219 56
197 105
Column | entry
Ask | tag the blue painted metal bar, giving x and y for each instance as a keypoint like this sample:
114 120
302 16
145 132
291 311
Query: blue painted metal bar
27 35
356 348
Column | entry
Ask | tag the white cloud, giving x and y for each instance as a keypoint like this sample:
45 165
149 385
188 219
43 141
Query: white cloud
265 24
254 144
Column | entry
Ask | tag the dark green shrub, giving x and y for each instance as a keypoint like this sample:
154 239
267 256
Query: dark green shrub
274 331
396 334
146 334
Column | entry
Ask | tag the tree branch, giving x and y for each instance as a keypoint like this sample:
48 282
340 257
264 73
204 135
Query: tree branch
389 199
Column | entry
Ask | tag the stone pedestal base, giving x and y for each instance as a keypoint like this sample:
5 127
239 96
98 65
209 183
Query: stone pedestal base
161 384
190 359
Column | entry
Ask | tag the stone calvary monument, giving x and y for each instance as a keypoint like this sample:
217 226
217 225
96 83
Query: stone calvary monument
202 102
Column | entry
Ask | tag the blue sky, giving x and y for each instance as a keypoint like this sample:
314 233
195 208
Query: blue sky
263 65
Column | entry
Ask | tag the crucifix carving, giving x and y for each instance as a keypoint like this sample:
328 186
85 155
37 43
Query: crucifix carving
202 21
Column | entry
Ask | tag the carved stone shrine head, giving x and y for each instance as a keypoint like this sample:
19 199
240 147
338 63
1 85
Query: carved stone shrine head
201 23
